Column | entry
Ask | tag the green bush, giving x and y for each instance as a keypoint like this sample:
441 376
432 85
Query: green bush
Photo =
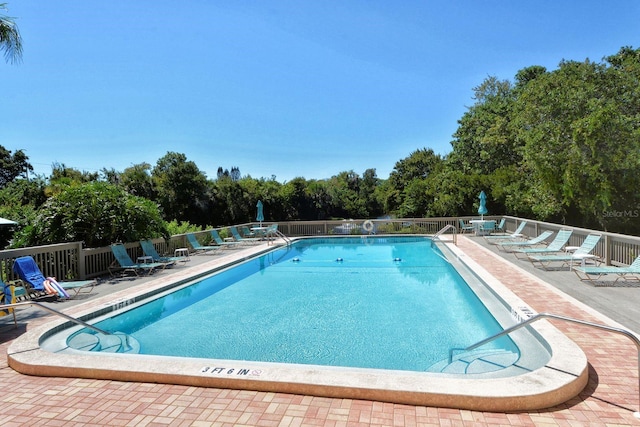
97 213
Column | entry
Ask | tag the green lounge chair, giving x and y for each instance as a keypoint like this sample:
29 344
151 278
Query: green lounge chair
246 240
216 238
272 233
556 245
593 273
465 227
123 262
197 247
513 236
581 254
245 232
508 245
150 251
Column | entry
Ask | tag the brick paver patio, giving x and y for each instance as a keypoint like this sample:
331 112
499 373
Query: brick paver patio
610 398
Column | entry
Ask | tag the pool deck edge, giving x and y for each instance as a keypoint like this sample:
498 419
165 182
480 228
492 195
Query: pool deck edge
561 379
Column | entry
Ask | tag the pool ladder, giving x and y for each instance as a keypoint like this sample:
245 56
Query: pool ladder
446 228
541 316
283 236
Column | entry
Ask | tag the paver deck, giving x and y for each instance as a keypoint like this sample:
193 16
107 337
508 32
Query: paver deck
610 398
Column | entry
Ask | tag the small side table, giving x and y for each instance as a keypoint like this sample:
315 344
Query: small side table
583 259
183 252
144 259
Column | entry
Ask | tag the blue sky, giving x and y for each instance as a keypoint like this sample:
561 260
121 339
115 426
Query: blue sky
277 88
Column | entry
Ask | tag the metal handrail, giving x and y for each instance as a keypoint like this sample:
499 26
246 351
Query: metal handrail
54 311
445 228
283 237
540 316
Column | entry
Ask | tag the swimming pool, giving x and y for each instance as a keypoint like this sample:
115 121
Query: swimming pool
398 384
385 303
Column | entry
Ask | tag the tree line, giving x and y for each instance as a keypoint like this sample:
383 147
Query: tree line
560 146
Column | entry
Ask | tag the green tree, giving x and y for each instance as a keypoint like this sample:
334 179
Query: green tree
19 201
368 185
485 138
298 203
63 177
181 189
13 166
270 193
138 181
10 39
402 193
581 135
345 192
97 213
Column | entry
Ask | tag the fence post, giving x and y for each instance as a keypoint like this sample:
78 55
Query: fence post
82 270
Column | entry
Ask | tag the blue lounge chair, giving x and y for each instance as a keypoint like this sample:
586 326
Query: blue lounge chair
465 227
29 272
150 251
556 245
485 228
123 262
271 231
246 240
216 238
244 230
593 273
510 245
581 254
197 246
513 236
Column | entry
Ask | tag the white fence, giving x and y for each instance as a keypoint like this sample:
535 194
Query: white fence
72 261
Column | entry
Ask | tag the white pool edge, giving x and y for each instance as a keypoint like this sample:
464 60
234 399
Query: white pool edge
562 377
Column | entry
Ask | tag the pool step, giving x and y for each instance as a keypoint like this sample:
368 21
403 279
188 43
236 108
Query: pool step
476 362
117 342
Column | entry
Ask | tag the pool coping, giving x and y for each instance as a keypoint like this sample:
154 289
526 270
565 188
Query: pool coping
562 377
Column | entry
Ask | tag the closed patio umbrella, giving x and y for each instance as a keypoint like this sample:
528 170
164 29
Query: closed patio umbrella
4 221
260 215
482 210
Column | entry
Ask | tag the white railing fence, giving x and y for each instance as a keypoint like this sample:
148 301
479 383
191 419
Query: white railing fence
72 261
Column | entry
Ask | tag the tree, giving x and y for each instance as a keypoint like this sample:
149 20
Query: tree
368 185
138 181
418 166
581 140
10 39
63 177
19 201
12 166
297 201
97 213
181 189
485 138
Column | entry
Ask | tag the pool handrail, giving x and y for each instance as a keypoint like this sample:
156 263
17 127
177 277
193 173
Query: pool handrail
540 316
444 229
54 311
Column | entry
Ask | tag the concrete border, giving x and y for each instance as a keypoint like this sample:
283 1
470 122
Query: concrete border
562 377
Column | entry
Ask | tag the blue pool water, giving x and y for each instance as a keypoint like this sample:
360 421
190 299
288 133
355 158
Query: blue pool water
388 303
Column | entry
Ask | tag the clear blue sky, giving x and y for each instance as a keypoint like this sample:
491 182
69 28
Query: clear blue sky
284 88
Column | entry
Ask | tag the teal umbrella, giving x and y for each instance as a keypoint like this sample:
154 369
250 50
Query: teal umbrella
260 215
482 210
